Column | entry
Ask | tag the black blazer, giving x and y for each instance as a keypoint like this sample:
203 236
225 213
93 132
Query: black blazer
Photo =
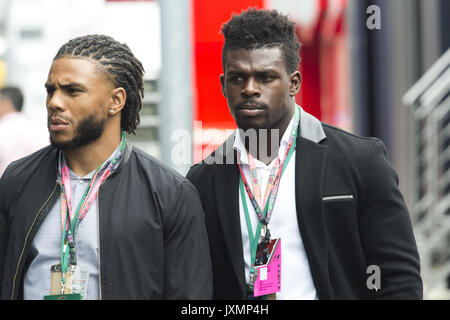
342 237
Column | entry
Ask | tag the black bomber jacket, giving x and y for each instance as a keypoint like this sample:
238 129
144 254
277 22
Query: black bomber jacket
152 238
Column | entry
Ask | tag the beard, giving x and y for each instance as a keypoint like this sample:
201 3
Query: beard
88 130
246 123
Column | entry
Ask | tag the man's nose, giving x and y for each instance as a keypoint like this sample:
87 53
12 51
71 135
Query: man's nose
251 89
55 101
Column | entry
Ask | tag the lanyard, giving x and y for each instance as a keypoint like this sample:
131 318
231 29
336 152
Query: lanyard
70 219
270 195
273 182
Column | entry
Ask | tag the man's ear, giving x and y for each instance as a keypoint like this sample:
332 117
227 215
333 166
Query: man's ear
118 100
222 83
295 79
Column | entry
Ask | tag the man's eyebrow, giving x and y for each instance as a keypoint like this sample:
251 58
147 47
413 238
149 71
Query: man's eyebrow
259 70
71 85
68 85
49 86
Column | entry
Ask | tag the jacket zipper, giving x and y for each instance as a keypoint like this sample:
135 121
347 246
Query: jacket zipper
26 240
99 253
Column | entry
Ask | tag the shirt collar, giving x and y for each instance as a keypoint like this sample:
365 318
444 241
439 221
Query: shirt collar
310 128
89 176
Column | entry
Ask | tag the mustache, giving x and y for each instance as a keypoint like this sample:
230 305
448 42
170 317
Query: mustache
251 104
59 116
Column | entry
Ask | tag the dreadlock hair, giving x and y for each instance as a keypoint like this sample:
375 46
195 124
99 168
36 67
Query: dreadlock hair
119 64
255 29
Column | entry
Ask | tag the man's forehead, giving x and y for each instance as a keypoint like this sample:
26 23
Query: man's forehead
260 58
74 69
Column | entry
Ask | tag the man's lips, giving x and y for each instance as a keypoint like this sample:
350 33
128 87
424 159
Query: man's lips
57 124
54 120
250 109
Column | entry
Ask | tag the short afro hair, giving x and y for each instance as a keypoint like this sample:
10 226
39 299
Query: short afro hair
254 29
118 63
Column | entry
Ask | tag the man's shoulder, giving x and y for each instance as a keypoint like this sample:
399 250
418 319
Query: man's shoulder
350 151
199 175
35 167
347 142
202 167
22 168
335 132
222 155
165 184
162 175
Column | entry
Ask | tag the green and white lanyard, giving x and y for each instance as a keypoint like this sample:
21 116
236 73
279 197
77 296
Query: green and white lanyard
270 197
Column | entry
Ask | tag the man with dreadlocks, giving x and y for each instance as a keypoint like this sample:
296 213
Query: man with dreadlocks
339 227
91 216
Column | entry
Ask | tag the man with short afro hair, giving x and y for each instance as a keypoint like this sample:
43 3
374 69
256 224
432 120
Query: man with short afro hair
296 208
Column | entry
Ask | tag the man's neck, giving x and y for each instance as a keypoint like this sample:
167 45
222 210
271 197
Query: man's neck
266 146
86 159
268 141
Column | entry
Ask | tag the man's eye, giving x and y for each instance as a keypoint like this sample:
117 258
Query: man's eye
267 78
73 91
235 78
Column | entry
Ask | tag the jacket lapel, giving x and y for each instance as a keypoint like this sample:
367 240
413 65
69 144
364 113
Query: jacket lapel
309 176
226 182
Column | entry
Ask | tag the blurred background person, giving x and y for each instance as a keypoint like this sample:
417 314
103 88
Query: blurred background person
19 136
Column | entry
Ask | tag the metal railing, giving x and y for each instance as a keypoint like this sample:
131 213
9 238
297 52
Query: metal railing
429 100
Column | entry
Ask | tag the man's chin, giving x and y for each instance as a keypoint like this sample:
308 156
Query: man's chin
87 131
62 145
252 126
74 143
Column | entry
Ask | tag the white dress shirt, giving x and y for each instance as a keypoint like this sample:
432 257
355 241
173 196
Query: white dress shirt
296 279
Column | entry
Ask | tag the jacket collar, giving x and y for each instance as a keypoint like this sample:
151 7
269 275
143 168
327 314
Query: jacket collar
126 155
125 158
